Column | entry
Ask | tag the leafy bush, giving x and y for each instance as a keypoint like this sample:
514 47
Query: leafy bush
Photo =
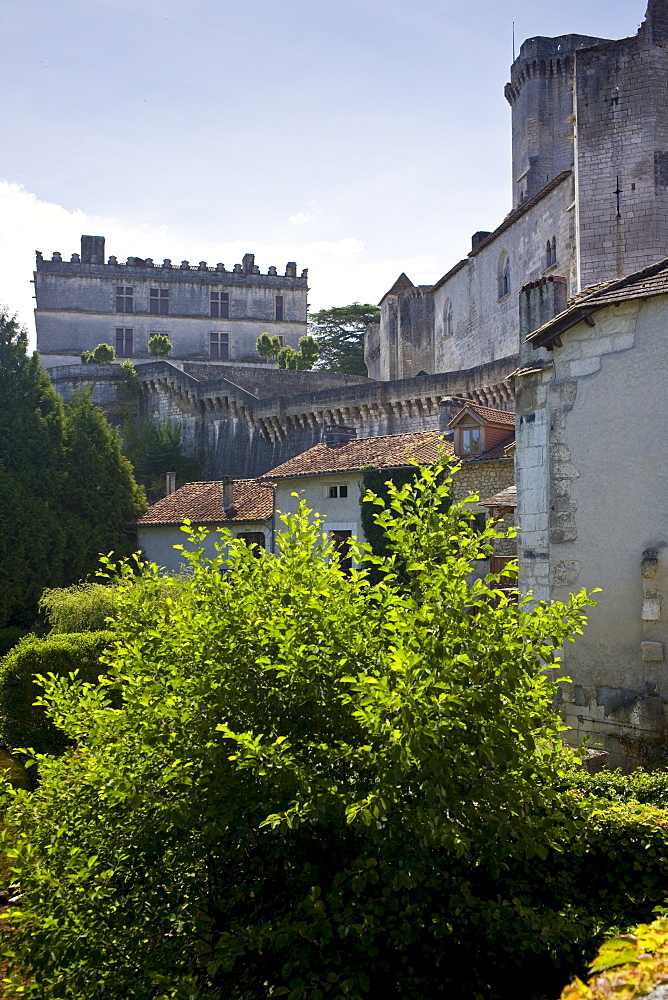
639 786
312 786
9 638
83 607
22 722
159 345
627 966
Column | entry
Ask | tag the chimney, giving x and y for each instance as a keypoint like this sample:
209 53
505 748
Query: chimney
170 483
540 301
336 435
248 263
92 249
448 409
478 237
228 494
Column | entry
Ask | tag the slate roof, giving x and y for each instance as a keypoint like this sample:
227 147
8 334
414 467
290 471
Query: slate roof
647 283
388 452
506 498
202 503
402 283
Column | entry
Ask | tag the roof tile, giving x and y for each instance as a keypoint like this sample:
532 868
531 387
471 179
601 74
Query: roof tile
202 503
391 451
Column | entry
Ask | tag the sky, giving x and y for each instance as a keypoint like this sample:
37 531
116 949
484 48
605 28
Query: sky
360 138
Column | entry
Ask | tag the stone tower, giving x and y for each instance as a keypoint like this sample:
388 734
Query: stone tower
540 94
621 110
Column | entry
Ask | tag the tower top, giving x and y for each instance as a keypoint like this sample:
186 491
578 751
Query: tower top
656 19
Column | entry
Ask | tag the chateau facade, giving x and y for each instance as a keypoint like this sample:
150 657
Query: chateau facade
208 313
590 200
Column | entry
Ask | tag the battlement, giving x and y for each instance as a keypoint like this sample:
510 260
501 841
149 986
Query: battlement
542 57
91 262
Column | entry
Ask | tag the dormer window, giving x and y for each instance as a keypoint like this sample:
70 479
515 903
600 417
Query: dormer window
471 441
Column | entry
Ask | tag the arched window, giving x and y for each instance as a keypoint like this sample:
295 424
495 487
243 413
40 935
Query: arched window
504 275
551 252
447 319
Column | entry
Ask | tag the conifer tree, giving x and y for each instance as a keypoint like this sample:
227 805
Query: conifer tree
65 490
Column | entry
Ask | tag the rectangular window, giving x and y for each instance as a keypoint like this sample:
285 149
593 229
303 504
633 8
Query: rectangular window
255 540
471 441
124 299
158 303
124 342
219 346
342 541
220 305
279 308
337 492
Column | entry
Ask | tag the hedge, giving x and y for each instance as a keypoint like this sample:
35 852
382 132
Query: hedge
24 724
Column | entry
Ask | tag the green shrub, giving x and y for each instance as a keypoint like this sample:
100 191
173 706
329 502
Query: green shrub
83 607
313 786
22 722
159 345
639 786
9 637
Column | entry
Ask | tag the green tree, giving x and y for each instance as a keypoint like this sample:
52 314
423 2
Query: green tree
102 355
301 360
99 492
32 535
339 332
267 346
155 450
312 787
65 491
159 345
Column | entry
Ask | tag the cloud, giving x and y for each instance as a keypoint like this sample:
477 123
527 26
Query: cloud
340 271
300 218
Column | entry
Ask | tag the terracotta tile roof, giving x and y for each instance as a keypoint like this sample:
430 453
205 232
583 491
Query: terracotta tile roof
202 503
495 454
506 498
487 413
391 451
647 283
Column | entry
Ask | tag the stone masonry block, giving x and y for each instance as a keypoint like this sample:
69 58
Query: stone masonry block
652 652
588 366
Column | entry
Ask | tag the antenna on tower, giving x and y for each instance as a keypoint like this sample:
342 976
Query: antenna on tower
513 41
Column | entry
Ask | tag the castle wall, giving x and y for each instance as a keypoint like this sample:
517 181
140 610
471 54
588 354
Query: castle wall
485 325
622 153
540 93
244 436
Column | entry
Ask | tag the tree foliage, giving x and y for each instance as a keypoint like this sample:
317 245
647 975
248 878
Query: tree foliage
65 491
301 360
154 450
339 332
313 786
268 346
103 354
159 345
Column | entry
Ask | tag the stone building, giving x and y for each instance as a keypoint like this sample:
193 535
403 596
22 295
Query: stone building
243 507
589 200
208 313
592 483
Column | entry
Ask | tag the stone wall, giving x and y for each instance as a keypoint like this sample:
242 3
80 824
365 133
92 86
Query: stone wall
540 93
244 435
622 153
76 305
483 478
592 478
